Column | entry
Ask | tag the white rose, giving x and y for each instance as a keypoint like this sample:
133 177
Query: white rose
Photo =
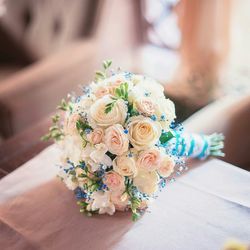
125 165
165 112
98 117
102 201
72 148
146 182
143 132
116 140
146 86
166 166
84 104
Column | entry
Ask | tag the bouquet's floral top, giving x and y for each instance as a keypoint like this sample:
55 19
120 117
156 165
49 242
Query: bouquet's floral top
119 143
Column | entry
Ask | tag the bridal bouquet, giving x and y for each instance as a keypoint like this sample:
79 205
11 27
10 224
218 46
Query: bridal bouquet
120 144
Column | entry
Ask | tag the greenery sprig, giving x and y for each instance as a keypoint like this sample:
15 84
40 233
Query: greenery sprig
55 131
134 201
121 92
101 75
65 106
81 127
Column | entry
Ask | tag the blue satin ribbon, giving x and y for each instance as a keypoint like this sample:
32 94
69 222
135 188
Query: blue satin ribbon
205 147
191 146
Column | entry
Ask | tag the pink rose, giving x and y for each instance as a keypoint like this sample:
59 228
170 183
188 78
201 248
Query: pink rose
166 166
149 159
145 106
96 136
116 140
114 181
101 91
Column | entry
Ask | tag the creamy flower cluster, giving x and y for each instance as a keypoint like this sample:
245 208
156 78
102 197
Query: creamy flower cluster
118 148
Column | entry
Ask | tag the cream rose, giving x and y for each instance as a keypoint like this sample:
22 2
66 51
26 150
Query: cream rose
149 159
145 106
166 166
116 140
143 132
146 182
114 181
96 136
125 165
98 117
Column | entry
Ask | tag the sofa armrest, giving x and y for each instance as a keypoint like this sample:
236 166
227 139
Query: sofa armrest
34 92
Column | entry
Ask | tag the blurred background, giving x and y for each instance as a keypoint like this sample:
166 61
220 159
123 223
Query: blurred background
198 49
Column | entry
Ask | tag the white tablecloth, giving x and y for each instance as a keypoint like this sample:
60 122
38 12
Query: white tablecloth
205 207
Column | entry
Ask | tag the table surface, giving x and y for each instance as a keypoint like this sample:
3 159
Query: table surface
205 207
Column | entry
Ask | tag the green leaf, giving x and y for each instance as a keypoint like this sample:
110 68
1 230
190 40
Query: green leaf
106 64
166 136
55 131
122 91
109 106
82 126
99 75
132 111
64 106
135 216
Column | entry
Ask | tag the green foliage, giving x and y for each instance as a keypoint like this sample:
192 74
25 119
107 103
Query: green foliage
134 201
55 131
132 110
166 136
106 64
64 106
120 93
109 106
81 127
101 75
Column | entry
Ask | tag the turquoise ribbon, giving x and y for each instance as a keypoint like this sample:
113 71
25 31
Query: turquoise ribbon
191 146
205 147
